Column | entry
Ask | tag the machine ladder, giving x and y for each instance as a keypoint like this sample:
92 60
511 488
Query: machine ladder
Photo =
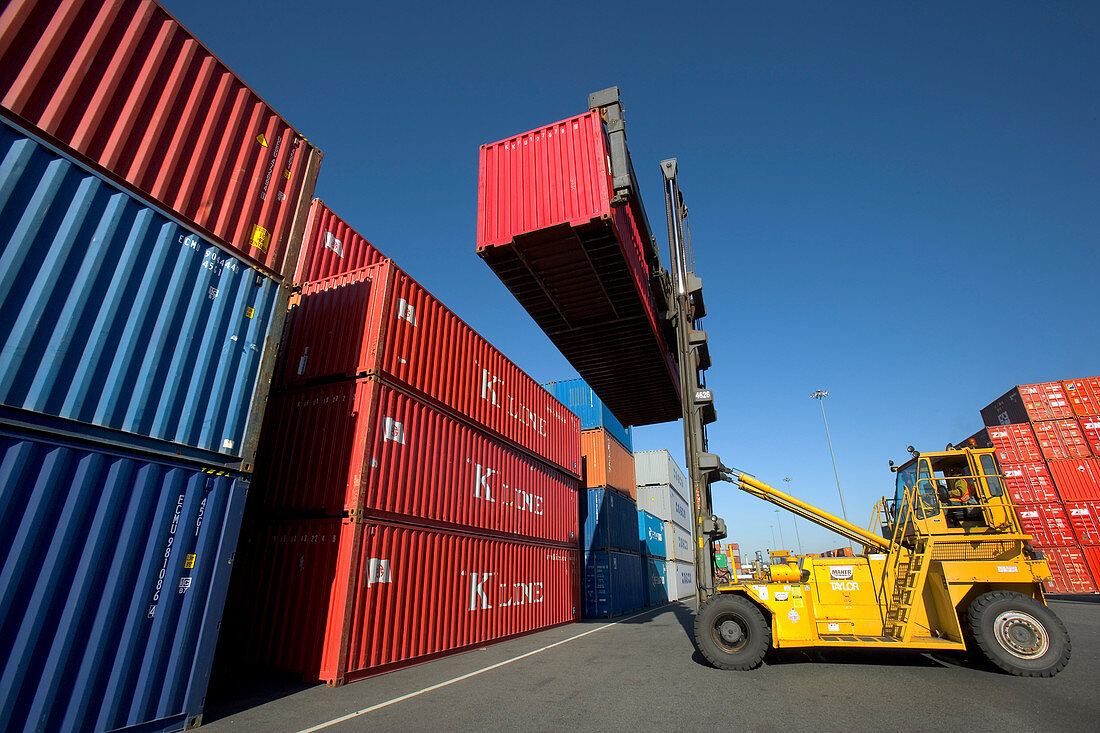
909 568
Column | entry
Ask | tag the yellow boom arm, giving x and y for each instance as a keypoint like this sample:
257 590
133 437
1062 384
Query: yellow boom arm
853 532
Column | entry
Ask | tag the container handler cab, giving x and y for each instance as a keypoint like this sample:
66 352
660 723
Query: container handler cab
948 570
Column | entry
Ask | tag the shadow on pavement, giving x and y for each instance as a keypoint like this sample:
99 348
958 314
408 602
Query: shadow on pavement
1075 598
683 613
874 657
228 698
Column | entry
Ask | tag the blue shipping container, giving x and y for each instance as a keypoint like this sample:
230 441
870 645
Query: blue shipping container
579 397
651 534
115 570
613 584
656 581
117 316
608 520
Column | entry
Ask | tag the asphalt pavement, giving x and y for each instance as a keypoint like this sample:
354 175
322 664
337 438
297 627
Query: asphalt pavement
642 673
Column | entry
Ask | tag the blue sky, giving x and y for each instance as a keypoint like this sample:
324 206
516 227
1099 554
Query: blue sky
897 204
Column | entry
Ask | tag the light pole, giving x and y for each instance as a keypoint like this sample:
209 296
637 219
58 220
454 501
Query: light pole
782 542
820 396
773 536
794 520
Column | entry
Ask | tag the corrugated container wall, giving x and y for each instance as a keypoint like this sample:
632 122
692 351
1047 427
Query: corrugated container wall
1091 555
115 569
331 247
656 570
609 521
652 534
680 544
1070 570
1029 483
1061 439
593 413
1084 517
127 87
1015 443
1077 479
614 583
1027 403
1090 427
658 467
681 579
1083 395
1047 524
604 462
372 450
396 595
378 320
120 317
577 264
661 501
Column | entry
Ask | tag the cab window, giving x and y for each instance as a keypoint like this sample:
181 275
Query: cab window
992 479
929 504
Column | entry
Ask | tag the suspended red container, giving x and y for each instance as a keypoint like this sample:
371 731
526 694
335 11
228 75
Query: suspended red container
1047 524
129 90
1083 395
1070 569
1029 483
1084 517
378 320
1090 428
1029 402
343 600
577 264
1077 479
1061 439
371 450
1015 443
332 247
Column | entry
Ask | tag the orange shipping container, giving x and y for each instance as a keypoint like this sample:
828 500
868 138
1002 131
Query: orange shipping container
1083 395
1077 479
1092 560
606 463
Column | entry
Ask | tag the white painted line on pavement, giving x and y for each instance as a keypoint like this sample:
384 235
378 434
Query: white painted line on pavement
387 703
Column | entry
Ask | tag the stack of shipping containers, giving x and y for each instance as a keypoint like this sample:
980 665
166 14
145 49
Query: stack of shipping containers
415 491
150 209
662 490
1047 438
655 548
614 580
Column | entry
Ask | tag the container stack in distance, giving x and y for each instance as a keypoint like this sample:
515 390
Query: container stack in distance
416 492
578 265
614 578
1047 438
662 491
151 212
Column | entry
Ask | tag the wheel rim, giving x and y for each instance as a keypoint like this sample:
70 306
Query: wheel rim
731 633
1021 635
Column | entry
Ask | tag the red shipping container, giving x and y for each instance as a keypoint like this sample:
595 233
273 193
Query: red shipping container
130 90
1061 439
1084 395
1029 402
1092 560
1084 517
1090 428
331 247
1070 569
344 600
371 450
1047 524
577 264
1076 479
1015 443
1029 483
378 320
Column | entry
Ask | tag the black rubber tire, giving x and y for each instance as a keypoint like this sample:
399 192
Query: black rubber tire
1018 634
756 634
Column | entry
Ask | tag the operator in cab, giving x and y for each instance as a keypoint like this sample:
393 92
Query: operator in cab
959 497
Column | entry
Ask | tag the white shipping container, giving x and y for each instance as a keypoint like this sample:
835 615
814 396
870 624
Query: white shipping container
657 467
681 579
679 542
662 502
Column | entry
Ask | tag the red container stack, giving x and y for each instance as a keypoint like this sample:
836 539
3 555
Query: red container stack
416 492
1047 438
